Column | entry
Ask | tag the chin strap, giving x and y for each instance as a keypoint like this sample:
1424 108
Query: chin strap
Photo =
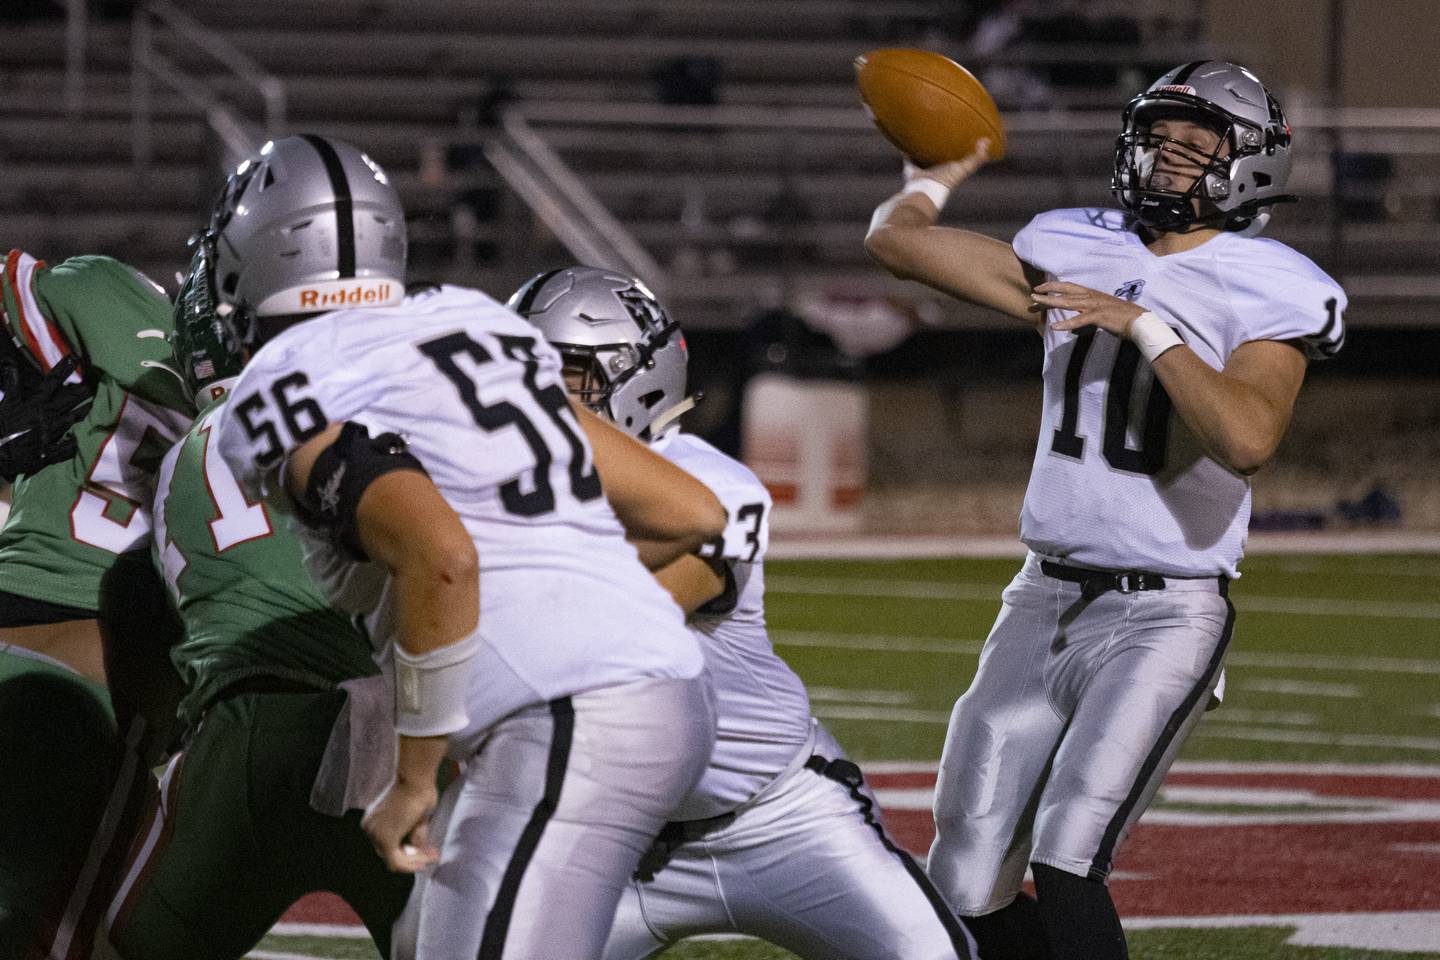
666 419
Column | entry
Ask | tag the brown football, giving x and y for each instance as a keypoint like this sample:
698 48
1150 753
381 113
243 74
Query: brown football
929 106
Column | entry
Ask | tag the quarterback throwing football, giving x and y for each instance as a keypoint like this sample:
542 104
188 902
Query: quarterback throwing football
1175 341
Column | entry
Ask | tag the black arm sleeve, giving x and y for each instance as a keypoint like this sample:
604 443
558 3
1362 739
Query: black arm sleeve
340 477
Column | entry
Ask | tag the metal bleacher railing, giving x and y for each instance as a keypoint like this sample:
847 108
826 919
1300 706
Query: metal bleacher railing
1359 217
749 202
238 136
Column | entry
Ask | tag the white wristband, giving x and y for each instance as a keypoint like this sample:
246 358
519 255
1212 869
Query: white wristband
431 688
932 188
1153 336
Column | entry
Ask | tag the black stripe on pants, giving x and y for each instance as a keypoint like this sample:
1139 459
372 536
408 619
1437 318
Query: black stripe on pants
1100 866
848 775
497 925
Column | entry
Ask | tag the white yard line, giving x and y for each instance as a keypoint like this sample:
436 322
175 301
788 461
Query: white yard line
1281 718
847 695
1252 803
1415 847
1256 797
1343 664
877 642
872 547
345 930
837 711
1420 770
909 643
886 589
1216 730
990 593
1323 607
1302 688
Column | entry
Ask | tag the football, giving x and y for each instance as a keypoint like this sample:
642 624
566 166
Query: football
929 106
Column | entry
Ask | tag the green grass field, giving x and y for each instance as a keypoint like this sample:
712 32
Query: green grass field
913 629
1334 659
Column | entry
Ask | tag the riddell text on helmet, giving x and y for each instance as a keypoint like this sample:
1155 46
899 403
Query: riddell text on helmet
311 299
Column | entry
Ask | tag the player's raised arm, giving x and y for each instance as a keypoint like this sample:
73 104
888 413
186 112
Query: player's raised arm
379 504
904 238
666 512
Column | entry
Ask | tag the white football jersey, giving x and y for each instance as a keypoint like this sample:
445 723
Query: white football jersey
1119 481
762 709
565 604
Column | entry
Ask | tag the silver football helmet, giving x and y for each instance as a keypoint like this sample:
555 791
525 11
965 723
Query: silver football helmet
625 357
309 225
1238 181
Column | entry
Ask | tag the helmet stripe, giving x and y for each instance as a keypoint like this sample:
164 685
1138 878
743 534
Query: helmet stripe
1186 70
344 204
528 300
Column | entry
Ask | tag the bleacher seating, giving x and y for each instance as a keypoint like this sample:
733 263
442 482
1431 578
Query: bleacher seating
723 208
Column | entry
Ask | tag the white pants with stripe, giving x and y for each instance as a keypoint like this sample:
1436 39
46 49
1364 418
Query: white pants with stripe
549 819
1076 713
802 868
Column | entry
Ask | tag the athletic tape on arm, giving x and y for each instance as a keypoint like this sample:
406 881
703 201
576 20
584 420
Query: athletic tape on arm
430 688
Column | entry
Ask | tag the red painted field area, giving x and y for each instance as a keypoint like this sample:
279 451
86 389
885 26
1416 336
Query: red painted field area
1242 843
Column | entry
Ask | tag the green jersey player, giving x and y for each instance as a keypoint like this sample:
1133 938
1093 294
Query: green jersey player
85 352
235 836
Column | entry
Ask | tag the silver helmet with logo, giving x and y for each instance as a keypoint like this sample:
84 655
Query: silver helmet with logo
625 358
308 225
1237 182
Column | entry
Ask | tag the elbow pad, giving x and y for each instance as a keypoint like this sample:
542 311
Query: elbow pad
340 477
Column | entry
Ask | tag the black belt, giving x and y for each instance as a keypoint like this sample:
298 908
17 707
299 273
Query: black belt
672 837
1095 582
844 772
677 833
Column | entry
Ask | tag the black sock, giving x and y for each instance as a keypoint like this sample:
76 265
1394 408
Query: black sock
1079 916
1013 932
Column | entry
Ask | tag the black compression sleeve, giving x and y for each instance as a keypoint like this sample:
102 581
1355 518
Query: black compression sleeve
341 475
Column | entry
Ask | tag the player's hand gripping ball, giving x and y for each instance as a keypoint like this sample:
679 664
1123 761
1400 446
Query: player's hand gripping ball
930 107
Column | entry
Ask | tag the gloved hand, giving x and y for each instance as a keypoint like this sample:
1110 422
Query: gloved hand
36 414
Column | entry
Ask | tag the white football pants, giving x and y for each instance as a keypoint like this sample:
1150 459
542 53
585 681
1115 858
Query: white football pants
1075 715
545 826
801 867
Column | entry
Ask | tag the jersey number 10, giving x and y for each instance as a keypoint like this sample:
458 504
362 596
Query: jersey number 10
1149 457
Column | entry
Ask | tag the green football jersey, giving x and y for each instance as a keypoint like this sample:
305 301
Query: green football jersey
237 576
70 520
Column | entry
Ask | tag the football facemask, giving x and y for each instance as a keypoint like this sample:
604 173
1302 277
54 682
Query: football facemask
207 344
1236 184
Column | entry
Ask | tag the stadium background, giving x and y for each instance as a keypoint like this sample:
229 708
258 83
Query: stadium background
716 148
